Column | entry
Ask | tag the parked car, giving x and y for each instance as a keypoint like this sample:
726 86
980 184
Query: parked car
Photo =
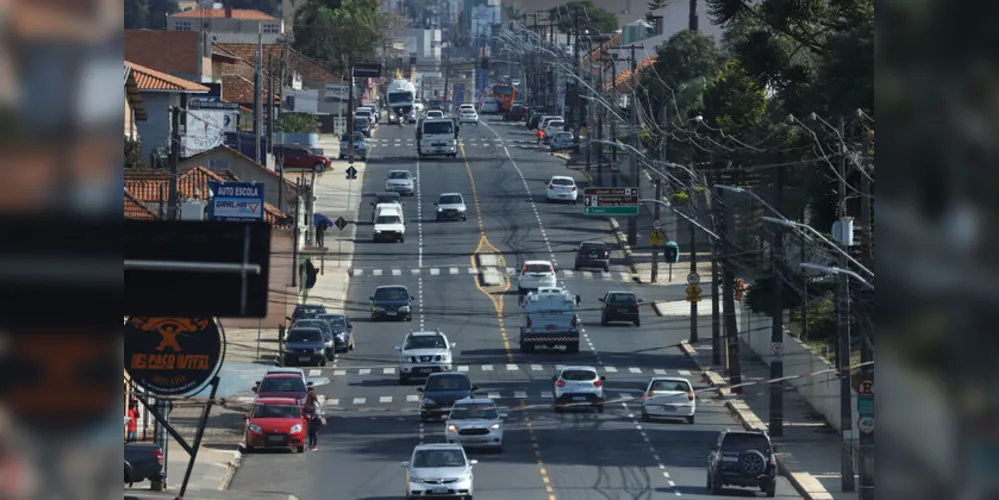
144 462
290 156
360 146
515 114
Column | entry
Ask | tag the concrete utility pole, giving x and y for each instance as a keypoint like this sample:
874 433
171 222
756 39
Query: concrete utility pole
716 329
270 104
776 424
843 326
694 315
173 212
613 123
350 116
577 67
693 21
590 106
867 348
728 298
635 141
663 151
258 90
600 119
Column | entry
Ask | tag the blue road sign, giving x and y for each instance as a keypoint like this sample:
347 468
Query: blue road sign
236 201
480 79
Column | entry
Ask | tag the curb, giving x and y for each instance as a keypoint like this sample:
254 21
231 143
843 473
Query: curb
234 464
622 240
750 421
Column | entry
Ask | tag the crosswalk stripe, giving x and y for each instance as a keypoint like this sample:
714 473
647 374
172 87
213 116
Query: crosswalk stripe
376 272
321 399
453 270
635 370
625 395
397 272
472 270
493 395
416 271
339 373
660 371
520 394
568 273
333 402
412 398
359 401
585 274
610 369
364 371
546 395
358 272
388 371
512 367
315 372
684 373
435 272
487 368
536 368
463 368
385 399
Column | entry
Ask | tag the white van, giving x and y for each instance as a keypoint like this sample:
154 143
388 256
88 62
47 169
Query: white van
390 223
437 137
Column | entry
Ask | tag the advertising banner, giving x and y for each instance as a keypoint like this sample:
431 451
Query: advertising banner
172 356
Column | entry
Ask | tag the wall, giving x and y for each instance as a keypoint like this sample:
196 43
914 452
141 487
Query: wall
675 19
155 131
222 25
234 37
821 391
246 170
279 304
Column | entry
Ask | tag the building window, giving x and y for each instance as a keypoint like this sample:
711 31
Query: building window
272 28
182 26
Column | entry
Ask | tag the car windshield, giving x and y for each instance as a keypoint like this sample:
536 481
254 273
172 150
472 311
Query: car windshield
537 268
339 321
556 123
745 442
277 411
362 112
398 175
563 182
391 294
311 323
305 336
622 298
671 385
388 219
579 375
448 383
432 459
309 310
449 199
467 412
564 136
425 342
400 96
438 128
281 384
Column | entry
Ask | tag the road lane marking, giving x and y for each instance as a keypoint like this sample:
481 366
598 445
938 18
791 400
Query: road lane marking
463 368
635 370
610 369
333 402
360 401
660 371
520 394
364 371
412 398
414 271
385 399
315 372
388 371
397 272
536 368
453 270
512 367
684 373
339 373
376 272
493 395
435 271
487 368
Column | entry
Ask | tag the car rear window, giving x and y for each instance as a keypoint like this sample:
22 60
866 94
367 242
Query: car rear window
743 442
398 175
281 384
622 298
309 335
579 375
388 219
671 385
563 182
537 268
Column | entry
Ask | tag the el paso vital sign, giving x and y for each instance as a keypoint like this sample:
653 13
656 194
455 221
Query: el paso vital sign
172 356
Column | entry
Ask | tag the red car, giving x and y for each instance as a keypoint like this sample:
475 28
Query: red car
282 385
293 156
275 423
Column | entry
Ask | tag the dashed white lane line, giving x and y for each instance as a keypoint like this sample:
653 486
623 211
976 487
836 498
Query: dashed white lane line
419 232
421 435
412 398
530 196
388 371
315 372
385 399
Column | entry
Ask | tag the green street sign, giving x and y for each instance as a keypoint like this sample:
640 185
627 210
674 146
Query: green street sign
610 201
865 407
610 211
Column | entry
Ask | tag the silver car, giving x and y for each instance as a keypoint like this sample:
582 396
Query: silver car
451 206
475 423
439 470
400 181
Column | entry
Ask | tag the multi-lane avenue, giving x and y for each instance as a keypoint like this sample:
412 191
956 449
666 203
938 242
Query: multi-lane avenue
372 421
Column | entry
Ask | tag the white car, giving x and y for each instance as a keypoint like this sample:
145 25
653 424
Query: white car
669 398
562 188
489 106
434 113
536 274
424 353
553 127
475 423
439 470
400 181
468 115
579 386
289 370
389 224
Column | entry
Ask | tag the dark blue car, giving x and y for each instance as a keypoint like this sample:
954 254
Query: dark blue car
391 302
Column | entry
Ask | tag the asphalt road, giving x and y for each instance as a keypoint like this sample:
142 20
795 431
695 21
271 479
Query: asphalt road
372 420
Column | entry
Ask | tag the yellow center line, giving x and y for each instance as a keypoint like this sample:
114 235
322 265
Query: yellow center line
497 299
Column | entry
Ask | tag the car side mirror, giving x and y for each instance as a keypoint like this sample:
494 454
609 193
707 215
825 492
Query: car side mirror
288 318
473 461
601 299
419 389
641 301
435 204
774 447
603 378
454 344
372 203
403 464
398 347
350 328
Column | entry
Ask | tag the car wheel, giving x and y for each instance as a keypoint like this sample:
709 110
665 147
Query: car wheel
558 409
464 217
300 449
402 239
606 269
603 322
318 167
690 420
638 323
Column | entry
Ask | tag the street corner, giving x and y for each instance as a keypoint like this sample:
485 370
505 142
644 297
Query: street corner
232 466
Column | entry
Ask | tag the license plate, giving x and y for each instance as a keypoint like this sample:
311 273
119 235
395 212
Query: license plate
730 459
391 313
426 370
579 398
622 310
275 439
304 358
669 408
438 490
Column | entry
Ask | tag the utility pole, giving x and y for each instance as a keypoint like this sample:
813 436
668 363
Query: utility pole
613 123
728 300
172 207
776 425
716 337
270 104
693 21
599 119
590 106
258 90
867 347
633 118
843 324
294 244
350 116
694 315
663 151
576 104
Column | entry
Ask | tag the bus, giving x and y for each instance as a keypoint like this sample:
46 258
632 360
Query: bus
505 94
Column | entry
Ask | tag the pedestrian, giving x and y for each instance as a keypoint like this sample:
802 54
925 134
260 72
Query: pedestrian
133 421
321 233
312 410
541 137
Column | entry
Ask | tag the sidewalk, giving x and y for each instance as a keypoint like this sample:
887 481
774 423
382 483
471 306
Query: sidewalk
809 454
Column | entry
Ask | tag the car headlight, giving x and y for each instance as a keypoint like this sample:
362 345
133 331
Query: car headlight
452 428
440 209
296 429
428 401
319 350
404 308
341 336
495 426
255 428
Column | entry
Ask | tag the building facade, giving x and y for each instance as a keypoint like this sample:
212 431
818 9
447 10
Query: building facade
229 25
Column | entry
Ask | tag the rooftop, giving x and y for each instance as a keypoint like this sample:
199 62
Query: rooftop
244 14
148 79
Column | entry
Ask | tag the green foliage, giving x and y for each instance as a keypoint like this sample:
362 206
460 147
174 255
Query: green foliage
821 318
133 154
339 32
685 56
680 198
734 101
584 15
136 14
297 123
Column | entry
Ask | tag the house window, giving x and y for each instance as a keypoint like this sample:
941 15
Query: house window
182 26
272 28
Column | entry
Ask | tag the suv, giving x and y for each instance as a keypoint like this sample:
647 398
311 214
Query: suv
451 206
593 254
423 353
577 386
300 157
621 306
742 458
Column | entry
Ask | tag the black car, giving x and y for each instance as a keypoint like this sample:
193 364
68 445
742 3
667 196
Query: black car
304 346
621 306
441 391
144 462
303 311
745 459
534 121
385 198
533 113
435 104
391 302
593 254
329 339
343 331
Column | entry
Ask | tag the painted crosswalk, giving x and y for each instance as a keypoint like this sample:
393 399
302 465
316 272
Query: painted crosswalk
464 142
508 367
622 276
505 395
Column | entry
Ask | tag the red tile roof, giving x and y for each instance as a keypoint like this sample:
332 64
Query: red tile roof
174 52
623 83
291 185
246 14
135 209
312 71
150 79
149 185
238 89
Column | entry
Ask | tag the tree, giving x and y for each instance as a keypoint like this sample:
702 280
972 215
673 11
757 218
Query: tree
297 123
584 15
133 154
339 32
158 12
136 14
272 7
734 101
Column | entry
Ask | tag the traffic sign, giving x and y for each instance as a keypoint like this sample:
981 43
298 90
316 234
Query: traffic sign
236 201
865 425
657 238
351 173
693 293
693 278
865 388
610 201
776 350
657 225
340 223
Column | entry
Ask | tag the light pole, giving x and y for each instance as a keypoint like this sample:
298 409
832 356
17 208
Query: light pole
813 232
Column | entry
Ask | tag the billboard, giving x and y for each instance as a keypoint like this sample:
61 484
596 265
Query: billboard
205 129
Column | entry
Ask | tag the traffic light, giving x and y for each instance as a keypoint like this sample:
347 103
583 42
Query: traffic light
672 252
311 274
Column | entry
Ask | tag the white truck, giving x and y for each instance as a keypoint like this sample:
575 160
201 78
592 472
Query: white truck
401 98
550 320
437 137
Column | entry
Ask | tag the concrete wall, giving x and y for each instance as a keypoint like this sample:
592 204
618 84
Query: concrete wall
821 391
245 170
282 297
155 132
309 140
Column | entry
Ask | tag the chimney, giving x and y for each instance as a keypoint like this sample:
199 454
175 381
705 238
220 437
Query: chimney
228 10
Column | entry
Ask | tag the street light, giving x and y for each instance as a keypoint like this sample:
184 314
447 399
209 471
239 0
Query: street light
799 226
836 271
685 217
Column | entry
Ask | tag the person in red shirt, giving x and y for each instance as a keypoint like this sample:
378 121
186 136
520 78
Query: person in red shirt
133 421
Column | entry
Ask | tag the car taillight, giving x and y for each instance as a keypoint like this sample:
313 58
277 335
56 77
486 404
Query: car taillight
159 456
638 308
773 459
606 255
690 396
573 188
597 383
560 383
551 186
